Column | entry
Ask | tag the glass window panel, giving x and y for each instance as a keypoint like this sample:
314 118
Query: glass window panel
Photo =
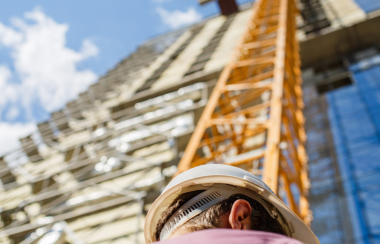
365 81
349 107
366 159
357 145
372 208
358 131
346 92
372 98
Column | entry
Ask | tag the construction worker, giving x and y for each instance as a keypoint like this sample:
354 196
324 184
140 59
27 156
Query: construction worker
222 204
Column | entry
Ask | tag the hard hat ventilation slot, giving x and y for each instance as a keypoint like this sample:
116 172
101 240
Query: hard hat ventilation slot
193 207
202 202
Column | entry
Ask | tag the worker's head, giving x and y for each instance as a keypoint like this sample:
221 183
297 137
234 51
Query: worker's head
220 196
236 212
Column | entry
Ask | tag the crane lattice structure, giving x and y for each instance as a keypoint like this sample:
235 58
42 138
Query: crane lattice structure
254 118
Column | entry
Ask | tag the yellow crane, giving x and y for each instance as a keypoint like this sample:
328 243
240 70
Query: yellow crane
254 119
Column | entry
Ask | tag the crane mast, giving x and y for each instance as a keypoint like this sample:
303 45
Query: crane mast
254 119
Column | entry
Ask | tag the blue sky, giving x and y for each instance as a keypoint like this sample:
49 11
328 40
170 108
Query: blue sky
52 50
116 27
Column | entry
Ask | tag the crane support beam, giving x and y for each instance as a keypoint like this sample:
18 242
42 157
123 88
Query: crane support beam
254 119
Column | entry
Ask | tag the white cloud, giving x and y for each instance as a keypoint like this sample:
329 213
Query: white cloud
12 113
89 49
8 36
44 65
178 18
5 74
10 134
43 74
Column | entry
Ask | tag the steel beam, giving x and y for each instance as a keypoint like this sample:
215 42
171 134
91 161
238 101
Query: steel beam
256 108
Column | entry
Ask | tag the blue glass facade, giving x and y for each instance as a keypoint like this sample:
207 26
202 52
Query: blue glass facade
326 197
354 118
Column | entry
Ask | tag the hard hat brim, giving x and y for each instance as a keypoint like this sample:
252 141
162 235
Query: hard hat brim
205 176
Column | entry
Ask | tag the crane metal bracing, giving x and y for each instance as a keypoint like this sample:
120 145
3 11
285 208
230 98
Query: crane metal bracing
254 118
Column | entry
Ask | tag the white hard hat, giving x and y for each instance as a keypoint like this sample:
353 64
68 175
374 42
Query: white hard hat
220 182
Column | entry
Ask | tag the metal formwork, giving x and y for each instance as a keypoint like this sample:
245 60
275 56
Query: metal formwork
254 118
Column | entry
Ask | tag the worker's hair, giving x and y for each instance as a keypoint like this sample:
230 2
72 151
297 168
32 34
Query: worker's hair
211 218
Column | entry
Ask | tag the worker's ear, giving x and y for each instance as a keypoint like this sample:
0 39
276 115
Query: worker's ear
239 217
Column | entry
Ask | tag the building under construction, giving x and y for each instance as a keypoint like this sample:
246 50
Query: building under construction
92 170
